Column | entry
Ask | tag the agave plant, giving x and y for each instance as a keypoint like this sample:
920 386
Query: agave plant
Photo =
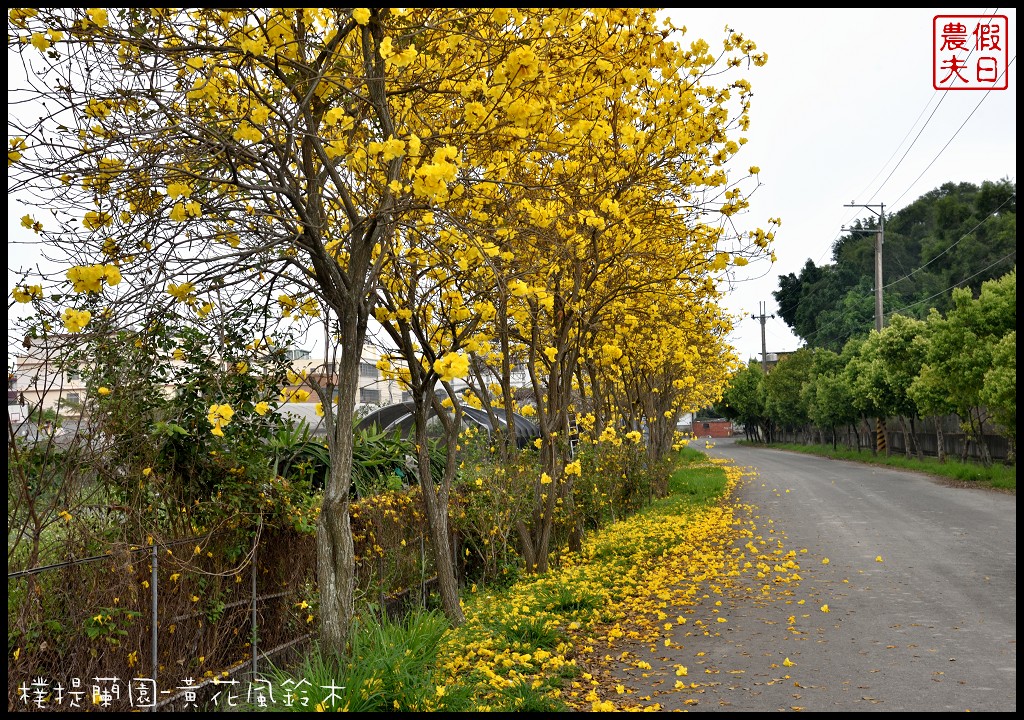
299 455
381 460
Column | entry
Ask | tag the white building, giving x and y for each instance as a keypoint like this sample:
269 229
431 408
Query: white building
34 380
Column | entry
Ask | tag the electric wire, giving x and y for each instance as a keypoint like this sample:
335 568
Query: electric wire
917 137
957 242
953 287
939 154
857 294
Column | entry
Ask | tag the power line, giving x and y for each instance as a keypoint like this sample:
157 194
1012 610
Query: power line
918 136
962 237
823 330
954 134
799 302
879 189
957 284
934 110
910 130
902 158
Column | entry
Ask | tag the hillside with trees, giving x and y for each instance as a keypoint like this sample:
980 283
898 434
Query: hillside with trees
947 383
955 236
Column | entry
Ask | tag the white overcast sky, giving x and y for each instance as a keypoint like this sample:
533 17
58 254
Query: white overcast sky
844 112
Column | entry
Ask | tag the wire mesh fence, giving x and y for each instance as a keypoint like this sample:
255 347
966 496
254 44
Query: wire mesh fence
178 625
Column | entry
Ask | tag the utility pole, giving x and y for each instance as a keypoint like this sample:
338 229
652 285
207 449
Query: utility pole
764 348
879 240
880 442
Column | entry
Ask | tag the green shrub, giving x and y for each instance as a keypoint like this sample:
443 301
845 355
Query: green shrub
531 633
390 667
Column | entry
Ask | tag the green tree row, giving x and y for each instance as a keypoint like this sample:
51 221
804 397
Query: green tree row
962 363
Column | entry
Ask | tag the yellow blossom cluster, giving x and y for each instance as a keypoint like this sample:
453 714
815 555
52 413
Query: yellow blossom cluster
451 366
75 320
27 221
219 416
609 435
90 278
27 293
296 395
17 144
182 292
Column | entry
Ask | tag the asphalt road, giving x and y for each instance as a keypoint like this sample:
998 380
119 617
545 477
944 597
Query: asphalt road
920 584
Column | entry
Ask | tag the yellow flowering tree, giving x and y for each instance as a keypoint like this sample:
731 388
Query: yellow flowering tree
429 308
199 156
620 193
212 155
677 361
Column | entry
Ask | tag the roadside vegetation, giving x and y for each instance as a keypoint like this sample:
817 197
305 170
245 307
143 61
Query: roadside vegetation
969 474
540 644
490 196
944 386
537 645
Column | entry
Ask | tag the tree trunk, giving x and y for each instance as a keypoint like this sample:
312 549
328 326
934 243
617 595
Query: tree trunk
907 440
940 440
918 451
335 548
335 567
435 500
526 548
552 417
660 437
983 449
545 502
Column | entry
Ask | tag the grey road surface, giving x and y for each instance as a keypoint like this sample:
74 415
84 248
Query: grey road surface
920 587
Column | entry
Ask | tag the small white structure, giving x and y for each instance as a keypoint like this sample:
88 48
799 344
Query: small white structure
16 413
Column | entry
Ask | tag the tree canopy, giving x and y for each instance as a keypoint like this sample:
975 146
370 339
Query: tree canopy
958 235
489 184
960 363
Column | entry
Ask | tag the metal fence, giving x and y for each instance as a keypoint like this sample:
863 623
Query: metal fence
174 626
924 435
